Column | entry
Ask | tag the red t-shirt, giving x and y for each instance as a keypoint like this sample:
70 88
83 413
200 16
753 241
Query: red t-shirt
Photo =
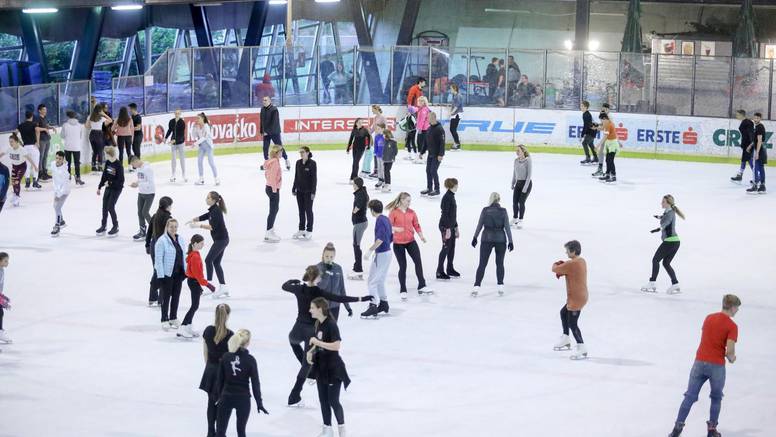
718 328
413 94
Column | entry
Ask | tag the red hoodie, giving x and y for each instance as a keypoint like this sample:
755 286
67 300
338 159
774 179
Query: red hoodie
194 268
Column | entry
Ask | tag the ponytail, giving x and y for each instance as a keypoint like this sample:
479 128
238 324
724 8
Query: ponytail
239 340
218 200
196 238
395 202
672 203
15 138
222 314
311 273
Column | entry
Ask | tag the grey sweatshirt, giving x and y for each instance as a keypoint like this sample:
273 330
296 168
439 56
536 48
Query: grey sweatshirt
668 225
522 172
332 280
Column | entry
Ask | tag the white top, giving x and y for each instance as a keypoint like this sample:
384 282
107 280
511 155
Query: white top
96 125
17 156
202 134
73 135
145 180
61 180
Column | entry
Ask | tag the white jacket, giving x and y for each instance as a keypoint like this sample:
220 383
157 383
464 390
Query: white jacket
145 179
61 180
73 135
202 135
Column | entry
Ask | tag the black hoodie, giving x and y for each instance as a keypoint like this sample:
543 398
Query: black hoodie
113 175
306 176
360 201
235 372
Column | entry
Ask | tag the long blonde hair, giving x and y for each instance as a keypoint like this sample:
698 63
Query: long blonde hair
240 339
222 315
395 202
524 149
274 152
424 99
494 198
672 203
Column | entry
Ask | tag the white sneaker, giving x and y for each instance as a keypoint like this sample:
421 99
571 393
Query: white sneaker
563 344
185 332
222 292
649 287
476 291
298 235
356 276
674 289
580 353
218 182
4 338
201 181
500 289
326 431
426 290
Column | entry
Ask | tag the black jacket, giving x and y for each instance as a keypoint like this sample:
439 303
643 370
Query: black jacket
449 218
305 177
305 294
236 372
495 220
270 120
747 132
435 140
215 218
177 130
113 175
360 201
587 124
359 139
156 228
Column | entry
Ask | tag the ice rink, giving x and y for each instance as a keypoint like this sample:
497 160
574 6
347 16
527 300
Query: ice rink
89 358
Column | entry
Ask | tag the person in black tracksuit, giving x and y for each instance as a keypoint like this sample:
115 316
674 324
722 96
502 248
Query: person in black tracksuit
217 227
588 134
270 128
236 371
305 183
358 218
359 141
155 230
216 338
448 226
137 137
303 327
495 221
435 145
113 180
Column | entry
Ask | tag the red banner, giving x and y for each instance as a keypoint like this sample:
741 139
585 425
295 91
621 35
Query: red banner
227 128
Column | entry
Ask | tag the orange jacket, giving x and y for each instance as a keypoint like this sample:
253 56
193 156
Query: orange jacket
194 268
407 220
575 271
413 94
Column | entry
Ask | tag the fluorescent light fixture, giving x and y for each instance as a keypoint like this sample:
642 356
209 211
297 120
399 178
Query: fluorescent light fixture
278 2
327 1
593 45
568 44
127 7
40 10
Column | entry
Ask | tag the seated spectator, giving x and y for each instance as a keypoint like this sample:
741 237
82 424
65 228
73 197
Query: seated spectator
525 92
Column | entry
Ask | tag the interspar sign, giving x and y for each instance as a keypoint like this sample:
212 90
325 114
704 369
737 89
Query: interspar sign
226 128
314 125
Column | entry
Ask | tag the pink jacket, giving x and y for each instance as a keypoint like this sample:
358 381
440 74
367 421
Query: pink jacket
422 113
126 131
273 174
406 220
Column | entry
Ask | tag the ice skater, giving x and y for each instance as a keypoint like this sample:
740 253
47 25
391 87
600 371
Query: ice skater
5 301
435 146
718 342
746 129
72 134
496 236
610 146
270 129
176 132
456 109
156 229
124 129
19 161
61 191
600 149
359 142
669 246
305 184
146 191
327 367
304 328
378 126
378 271
332 279
202 134
238 375
522 184
404 224
113 181
195 279
170 265
216 339
28 132
44 130
137 135
448 227
220 235
379 138
5 183
274 179
96 138
390 151
759 155
358 218
575 272
421 112
588 134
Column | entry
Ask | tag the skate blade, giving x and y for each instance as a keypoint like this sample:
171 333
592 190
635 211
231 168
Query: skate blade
181 337
375 317
299 404
475 294
562 348
649 290
578 357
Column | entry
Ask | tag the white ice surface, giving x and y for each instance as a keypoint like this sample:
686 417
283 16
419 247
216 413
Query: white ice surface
89 358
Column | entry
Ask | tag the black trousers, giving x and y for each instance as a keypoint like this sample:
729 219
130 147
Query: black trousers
589 146
275 138
153 287
610 169
387 166
125 142
432 173
519 198
329 396
665 252
447 252
401 251
422 142
569 320
304 202
97 141
300 334
454 129
137 141
213 260
212 414
485 249
274 206
109 199
410 144
196 292
241 404
2 312
170 288
73 159
358 152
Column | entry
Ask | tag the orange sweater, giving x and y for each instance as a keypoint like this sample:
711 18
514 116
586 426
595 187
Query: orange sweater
194 268
406 220
575 271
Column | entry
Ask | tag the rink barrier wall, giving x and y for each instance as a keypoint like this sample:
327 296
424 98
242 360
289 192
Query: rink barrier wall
551 131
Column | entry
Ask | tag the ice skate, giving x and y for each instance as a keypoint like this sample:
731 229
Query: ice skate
372 311
386 188
296 402
16 201
611 179
341 431
101 231
140 236
500 289
514 221
383 307
270 237
166 325
677 431
55 231
222 292
674 289
403 295
425 290
184 331
201 181
78 181
519 224
36 185
306 235
476 291
598 173
585 161
185 179
761 190
737 178
298 235
62 223
172 179
378 185
113 231
712 430
174 323
580 353
217 182
372 175
4 338
356 276
453 274
425 193
433 193
153 303
442 276
753 189
288 165
563 344
326 431
649 287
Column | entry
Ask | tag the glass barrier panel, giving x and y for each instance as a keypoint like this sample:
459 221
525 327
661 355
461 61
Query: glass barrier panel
155 83
179 86
448 67
267 74
9 118
301 72
712 86
127 90
750 85
601 79
374 71
407 66
336 76
527 91
564 80
74 96
674 84
486 81
206 77
636 83
235 77
30 96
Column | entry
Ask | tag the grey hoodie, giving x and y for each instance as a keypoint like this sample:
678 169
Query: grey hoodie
522 172
668 224
332 280
73 135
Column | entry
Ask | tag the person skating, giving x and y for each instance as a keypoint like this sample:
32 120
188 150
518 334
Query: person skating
137 135
610 146
359 141
303 328
113 181
456 109
327 367
61 190
718 342
358 218
202 134
124 130
521 184
155 230
669 246
170 266
176 132
43 130
575 272
412 143
220 235
216 339
496 236
379 140
588 134
72 134
448 226
390 151
146 191
746 129
270 130
19 160
600 148
305 184
96 138
378 126
28 133
759 155
274 179
5 301
5 183
332 279
435 146
195 279
380 262
404 225
238 375
421 112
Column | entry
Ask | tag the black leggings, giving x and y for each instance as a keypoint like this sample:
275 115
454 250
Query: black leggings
410 145
274 206
665 252
137 141
73 158
196 292
97 140
454 129
329 395
125 142
300 334
485 249
569 320
241 404
171 295
447 252
387 172
213 260
358 152
422 142
589 147
109 199
153 286
304 202
411 248
610 170
212 414
1 318
519 198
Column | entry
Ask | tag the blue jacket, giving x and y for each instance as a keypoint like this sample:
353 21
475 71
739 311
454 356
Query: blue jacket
164 255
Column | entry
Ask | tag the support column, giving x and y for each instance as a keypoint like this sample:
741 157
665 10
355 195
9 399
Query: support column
259 13
582 25
404 38
86 49
201 26
33 44
368 59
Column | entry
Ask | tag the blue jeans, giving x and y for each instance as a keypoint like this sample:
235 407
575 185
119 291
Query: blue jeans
702 371
206 149
759 171
366 164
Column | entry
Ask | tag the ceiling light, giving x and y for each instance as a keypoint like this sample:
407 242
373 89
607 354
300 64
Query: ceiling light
127 7
327 1
40 10
278 2
568 44
593 45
